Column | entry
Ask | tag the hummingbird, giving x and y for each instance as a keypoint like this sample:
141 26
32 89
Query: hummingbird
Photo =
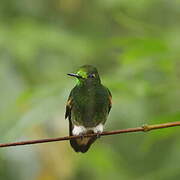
87 107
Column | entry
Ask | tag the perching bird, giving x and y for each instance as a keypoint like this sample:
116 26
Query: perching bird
87 108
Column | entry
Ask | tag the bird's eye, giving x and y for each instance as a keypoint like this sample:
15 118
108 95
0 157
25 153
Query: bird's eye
91 76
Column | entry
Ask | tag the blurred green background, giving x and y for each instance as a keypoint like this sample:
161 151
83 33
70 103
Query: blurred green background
136 47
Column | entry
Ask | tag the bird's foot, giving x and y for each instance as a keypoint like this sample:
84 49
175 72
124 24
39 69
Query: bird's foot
98 135
82 136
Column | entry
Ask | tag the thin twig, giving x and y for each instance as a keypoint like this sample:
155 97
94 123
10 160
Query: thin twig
144 128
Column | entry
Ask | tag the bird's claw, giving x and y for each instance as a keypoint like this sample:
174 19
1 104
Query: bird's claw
82 136
98 135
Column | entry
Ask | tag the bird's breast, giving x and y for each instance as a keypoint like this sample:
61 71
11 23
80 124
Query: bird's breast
90 107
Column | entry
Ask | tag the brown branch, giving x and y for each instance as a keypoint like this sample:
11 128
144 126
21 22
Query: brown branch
144 128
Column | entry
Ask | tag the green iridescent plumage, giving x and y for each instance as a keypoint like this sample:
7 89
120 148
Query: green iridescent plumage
88 106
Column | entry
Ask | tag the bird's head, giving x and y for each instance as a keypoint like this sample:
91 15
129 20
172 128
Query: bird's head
86 74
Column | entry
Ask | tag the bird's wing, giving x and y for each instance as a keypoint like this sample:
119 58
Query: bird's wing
110 100
69 105
68 108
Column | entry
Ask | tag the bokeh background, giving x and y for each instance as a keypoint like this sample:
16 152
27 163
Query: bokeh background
136 47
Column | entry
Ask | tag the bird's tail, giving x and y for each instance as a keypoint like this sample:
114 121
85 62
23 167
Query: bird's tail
81 145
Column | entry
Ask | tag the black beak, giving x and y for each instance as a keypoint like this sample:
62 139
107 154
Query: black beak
74 75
